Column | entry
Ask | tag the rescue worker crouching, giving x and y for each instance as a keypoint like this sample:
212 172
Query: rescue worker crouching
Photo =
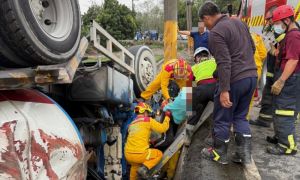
203 70
137 151
177 70
285 86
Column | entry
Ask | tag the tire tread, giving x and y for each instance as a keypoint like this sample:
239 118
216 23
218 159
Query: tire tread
14 36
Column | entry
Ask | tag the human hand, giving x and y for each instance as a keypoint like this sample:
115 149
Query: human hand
164 103
277 87
168 113
225 99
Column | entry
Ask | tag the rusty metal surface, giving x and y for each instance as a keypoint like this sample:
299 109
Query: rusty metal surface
41 75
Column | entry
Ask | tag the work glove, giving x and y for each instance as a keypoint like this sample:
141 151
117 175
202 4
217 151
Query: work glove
277 87
168 113
164 103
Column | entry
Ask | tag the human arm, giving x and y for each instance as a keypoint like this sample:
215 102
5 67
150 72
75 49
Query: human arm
188 33
289 69
160 127
220 50
293 55
165 78
287 72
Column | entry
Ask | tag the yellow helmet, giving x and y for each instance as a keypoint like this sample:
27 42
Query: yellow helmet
180 69
142 107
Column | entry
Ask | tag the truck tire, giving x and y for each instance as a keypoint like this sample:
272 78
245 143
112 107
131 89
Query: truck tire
145 67
39 32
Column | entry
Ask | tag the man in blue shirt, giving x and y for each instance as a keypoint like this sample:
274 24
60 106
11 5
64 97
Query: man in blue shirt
200 38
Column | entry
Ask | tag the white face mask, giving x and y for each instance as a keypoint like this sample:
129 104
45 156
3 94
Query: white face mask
278 29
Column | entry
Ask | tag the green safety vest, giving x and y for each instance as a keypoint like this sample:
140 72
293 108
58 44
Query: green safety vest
204 69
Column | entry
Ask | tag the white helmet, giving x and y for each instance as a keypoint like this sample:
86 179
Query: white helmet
201 49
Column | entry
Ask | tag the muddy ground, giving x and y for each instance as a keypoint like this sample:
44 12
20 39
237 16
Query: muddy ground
270 167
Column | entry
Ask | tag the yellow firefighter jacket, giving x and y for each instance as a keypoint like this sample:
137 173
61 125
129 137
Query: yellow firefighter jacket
162 81
139 132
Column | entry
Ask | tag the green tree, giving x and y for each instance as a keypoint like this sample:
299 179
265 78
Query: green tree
115 18
196 5
150 17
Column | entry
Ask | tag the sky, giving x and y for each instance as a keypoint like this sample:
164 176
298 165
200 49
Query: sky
85 4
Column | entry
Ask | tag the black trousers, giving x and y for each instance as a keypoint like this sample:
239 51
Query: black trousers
266 111
201 95
241 93
286 111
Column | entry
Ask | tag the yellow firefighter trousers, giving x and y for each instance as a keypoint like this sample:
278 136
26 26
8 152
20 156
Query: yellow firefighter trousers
149 158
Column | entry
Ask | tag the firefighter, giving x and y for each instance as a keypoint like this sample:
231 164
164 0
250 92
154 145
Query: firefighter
285 86
259 57
265 117
137 151
178 70
203 70
260 53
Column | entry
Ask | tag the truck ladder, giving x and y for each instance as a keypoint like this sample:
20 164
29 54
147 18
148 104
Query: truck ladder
181 138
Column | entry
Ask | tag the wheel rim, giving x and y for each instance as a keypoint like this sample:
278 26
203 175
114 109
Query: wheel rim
55 17
146 68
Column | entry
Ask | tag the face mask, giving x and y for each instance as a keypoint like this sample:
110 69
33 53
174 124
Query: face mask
278 29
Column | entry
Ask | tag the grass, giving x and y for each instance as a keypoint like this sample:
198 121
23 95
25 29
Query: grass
158 57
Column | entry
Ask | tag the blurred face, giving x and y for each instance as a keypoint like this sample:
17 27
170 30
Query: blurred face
201 27
280 27
200 57
209 22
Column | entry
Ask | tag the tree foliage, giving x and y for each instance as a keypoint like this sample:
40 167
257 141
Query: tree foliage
151 17
115 18
196 5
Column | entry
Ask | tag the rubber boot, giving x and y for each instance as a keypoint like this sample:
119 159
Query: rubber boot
281 150
143 172
272 139
217 153
243 149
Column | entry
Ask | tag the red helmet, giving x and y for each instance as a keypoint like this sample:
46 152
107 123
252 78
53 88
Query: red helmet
180 69
282 12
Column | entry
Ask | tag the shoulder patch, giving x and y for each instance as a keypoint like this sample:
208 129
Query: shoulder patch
147 119
169 67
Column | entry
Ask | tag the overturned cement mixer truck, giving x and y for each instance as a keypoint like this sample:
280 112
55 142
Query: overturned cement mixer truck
63 110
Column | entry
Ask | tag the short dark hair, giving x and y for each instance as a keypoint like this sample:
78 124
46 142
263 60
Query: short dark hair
208 9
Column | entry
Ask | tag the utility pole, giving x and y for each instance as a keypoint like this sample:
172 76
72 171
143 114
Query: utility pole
170 30
189 22
132 5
